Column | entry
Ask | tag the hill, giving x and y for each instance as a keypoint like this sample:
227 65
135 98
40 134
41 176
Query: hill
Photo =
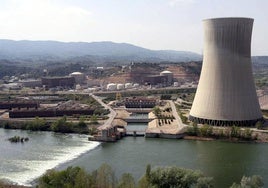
45 51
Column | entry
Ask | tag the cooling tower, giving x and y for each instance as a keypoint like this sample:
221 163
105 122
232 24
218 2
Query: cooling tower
226 93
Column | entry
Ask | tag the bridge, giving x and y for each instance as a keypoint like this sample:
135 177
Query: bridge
139 110
136 120
135 133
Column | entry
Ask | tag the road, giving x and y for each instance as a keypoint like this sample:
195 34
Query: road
175 114
108 122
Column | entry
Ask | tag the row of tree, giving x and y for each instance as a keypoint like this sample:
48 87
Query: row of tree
229 132
59 125
161 177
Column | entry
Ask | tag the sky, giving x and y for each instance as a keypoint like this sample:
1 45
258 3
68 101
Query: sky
152 24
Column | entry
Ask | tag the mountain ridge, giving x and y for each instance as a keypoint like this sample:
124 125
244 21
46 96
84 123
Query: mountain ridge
26 49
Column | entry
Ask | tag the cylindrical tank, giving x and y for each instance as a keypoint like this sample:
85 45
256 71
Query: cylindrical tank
128 85
226 93
169 76
176 84
120 86
111 87
136 85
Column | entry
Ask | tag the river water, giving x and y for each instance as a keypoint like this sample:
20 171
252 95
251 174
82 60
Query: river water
226 162
24 162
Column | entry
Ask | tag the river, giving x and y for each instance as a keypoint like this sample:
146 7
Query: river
226 162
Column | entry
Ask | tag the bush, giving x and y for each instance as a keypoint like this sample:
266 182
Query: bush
38 124
81 124
235 132
259 125
177 177
71 177
61 125
249 182
193 130
247 134
206 130
6 125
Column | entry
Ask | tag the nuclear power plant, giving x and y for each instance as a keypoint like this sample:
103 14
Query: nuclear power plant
226 93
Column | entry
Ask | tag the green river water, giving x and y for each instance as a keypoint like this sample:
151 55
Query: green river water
226 162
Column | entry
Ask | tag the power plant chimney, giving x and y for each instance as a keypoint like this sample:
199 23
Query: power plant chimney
226 93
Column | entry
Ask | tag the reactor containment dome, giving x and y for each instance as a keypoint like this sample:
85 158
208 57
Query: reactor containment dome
226 93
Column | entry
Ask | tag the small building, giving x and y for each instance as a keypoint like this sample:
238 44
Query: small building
31 83
156 80
140 102
53 82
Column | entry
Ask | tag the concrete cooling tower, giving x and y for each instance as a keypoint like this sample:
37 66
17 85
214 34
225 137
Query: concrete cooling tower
226 93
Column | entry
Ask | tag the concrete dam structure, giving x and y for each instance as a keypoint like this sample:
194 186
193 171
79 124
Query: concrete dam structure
226 93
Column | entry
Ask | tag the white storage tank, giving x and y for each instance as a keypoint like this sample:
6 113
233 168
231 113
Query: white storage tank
176 84
120 86
128 85
111 87
136 85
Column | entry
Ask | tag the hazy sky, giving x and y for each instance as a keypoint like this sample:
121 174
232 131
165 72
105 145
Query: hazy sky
153 24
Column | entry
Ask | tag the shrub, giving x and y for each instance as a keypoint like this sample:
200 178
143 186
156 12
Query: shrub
193 130
259 125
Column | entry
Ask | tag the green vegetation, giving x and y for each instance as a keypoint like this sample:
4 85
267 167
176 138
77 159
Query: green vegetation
163 118
63 126
59 125
165 97
161 177
249 182
178 177
233 132
38 124
16 139
184 119
259 125
156 111
261 82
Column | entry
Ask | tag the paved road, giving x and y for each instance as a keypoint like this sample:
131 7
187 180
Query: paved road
108 123
175 114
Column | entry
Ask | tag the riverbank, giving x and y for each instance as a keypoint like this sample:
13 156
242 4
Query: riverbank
230 134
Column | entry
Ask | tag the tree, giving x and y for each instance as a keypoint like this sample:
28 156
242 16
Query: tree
205 182
126 181
156 111
259 125
176 177
37 124
82 124
193 130
249 182
144 182
105 177
71 177
93 119
61 125
247 134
